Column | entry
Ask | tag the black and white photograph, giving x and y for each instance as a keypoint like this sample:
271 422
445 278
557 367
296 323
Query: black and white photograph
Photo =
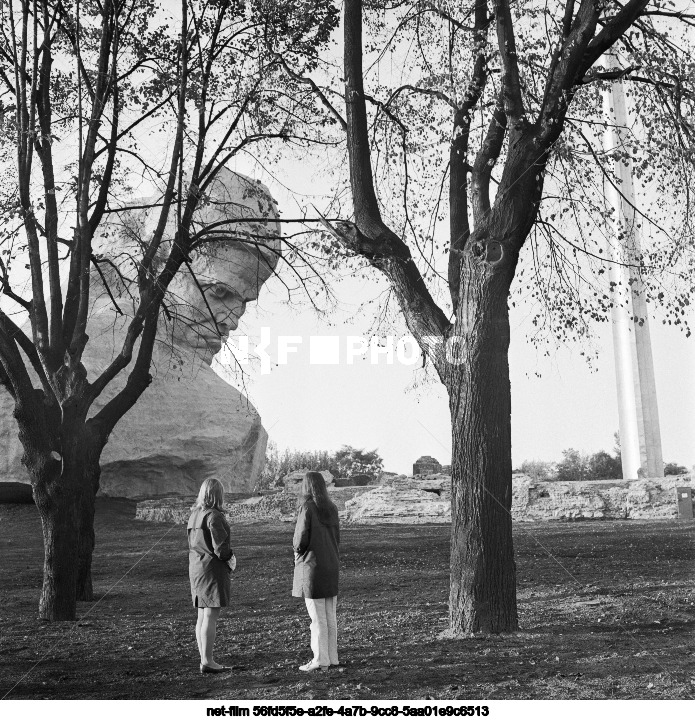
346 358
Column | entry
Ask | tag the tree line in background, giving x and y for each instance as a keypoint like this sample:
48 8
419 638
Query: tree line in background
347 462
579 466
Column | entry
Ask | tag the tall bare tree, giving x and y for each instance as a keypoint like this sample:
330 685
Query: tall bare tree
84 86
501 103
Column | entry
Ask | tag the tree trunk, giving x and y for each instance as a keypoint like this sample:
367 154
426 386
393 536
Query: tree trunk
86 539
85 544
66 506
64 486
59 507
483 572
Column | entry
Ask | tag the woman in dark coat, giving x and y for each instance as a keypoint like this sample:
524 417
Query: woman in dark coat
316 568
209 557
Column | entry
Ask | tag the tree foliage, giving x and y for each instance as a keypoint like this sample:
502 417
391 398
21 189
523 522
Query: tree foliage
435 95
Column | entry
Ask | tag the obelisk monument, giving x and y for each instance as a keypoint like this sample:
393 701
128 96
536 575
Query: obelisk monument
640 435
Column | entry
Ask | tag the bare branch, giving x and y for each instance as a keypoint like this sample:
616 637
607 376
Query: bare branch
421 91
18 380
511 83
95 263
14 332
370 236
485 160
611 32
564 72
315 88
459 226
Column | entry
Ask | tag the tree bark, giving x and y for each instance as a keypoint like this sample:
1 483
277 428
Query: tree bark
66 507
482 594
86 538
85 543
59 510
61 454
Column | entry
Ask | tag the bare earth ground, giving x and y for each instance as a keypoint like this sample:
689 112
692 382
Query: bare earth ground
612 615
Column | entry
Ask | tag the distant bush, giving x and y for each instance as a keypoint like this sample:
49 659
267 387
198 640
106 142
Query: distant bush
577 466
351 462
574 466
538 470
344 463
604 466
673 469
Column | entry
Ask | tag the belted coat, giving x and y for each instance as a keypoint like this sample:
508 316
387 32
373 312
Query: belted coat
317 556
209 549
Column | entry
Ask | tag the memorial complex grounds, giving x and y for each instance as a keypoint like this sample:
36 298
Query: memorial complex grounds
607 610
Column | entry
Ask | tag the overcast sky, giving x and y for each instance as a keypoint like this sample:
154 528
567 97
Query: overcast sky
396 409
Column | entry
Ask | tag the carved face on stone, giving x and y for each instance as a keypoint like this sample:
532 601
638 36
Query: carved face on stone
207 299
228 277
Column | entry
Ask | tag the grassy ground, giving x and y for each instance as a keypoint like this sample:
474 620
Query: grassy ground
607 610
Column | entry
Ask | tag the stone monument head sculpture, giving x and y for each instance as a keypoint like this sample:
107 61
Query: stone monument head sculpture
178 432
209 293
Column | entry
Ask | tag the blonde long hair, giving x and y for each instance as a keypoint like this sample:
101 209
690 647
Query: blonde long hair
211 495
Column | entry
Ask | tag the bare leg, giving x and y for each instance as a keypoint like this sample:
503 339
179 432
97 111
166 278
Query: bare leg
208 631
198 633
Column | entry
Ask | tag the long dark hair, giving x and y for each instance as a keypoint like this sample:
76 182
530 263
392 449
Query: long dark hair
314 489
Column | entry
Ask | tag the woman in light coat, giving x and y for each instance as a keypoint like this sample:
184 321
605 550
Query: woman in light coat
316 568
209 557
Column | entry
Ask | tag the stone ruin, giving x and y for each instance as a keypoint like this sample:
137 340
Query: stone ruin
190 423
428 500
278 506
295 478
426 465
360 479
